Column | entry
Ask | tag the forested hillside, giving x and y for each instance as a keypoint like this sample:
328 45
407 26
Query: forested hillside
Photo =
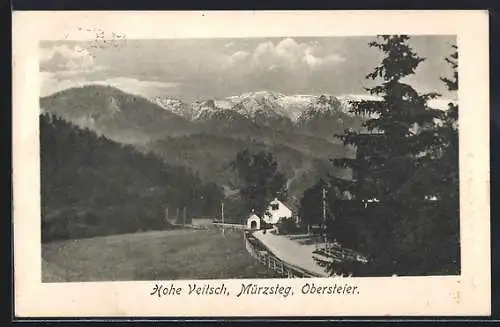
210 155
207 143
93 186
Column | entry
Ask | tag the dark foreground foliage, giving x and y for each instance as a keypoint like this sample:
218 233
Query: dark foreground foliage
402 208
403 238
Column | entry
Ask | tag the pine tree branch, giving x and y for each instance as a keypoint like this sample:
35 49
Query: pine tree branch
366 107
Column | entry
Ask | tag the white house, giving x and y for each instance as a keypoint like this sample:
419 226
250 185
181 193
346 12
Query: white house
253 222
275 211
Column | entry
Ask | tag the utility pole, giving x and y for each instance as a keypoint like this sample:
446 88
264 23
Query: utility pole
166 215
184 216
324 214
222 215
177 215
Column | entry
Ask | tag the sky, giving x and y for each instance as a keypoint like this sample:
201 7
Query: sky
199 69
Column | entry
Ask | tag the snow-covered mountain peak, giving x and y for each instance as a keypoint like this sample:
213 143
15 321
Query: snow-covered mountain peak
174 105
320 107
204 109
262 105
260 95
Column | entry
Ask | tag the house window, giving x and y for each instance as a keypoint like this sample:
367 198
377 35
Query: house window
275 206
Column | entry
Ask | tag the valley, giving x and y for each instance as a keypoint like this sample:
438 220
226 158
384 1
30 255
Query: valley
205 135
132 156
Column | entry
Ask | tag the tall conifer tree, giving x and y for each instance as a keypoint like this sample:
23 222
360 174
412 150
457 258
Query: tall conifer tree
400 125
410 154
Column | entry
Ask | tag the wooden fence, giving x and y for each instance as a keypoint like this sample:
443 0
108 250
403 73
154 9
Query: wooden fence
218 226
259 251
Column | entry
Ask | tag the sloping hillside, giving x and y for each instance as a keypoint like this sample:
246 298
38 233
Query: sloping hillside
178 254
94 186
120 116
206 135
210 156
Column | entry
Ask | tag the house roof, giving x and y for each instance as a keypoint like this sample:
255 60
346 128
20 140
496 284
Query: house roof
252 216
291 203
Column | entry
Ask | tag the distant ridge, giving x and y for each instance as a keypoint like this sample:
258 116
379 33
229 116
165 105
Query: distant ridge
270 104
206 135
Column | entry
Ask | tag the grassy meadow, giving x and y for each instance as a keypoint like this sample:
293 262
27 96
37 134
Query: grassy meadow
157 255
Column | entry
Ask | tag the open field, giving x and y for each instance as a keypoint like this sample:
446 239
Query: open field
168 255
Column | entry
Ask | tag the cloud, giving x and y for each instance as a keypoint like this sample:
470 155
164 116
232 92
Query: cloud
238 56
51 83
218 68
317 62
139 87
286 54
66 58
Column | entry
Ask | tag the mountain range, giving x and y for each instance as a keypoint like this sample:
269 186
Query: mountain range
206 135
254 105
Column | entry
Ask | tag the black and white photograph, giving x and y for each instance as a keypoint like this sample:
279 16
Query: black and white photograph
249 158
262 158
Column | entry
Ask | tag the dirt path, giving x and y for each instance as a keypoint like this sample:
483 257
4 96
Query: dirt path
290 251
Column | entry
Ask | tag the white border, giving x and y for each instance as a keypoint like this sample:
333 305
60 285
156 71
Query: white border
468 294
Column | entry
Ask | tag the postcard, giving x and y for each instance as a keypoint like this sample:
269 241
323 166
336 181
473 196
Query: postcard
251 163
